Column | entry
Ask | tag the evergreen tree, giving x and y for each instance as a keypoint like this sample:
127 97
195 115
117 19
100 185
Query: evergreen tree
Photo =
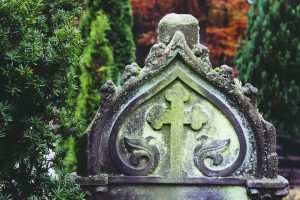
120 35
39 60
270 59
96 68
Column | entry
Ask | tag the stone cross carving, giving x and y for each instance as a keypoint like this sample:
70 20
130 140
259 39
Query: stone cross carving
138 146
176 117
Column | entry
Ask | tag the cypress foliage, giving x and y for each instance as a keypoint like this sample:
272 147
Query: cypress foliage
96 68
120 35
106 28
270 59
39 58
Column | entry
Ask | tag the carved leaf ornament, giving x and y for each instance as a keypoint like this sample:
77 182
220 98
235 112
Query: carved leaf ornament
143 158
211 151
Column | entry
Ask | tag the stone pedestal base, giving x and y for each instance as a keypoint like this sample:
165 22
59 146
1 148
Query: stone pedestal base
263 189
156 188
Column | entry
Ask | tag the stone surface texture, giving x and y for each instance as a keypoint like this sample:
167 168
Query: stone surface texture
178 129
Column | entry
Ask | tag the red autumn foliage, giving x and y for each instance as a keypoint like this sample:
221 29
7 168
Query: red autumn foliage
222 24
226 23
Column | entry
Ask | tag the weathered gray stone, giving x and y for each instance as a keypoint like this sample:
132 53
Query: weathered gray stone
178 129
172 23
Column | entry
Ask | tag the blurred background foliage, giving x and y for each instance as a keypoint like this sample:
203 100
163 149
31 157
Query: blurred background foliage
97 65
270 60
119 35
55 55
106 30
222 24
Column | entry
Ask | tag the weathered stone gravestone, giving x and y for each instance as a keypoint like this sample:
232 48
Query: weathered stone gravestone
178 129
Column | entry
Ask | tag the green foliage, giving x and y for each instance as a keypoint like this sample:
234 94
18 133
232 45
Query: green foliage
5 196
39 61
270 60
65 188
70 157
120 34
96 68
106 28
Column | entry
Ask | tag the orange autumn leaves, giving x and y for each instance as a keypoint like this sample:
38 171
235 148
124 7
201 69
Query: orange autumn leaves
222 23
227 22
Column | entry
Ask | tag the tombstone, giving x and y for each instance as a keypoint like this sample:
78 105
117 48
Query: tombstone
178 129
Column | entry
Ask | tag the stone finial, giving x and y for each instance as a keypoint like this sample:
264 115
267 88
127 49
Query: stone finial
185 23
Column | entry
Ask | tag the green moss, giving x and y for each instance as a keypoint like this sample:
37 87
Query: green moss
164 136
